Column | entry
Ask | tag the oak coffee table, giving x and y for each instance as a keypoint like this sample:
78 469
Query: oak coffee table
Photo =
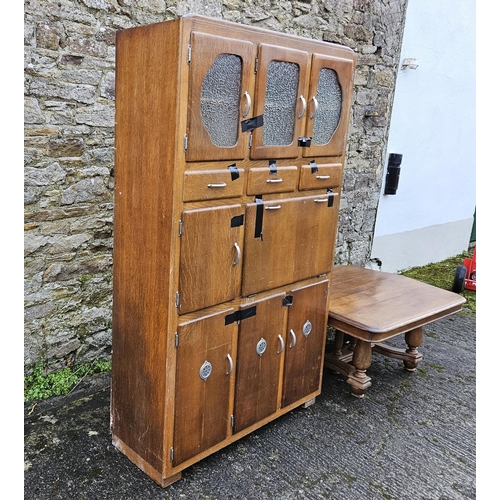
372 306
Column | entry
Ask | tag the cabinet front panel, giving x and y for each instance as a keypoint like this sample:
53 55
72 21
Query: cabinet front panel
262 180
260 353
280 97
220 89
306 331
287 240
210 259
329 105
212 184
205 355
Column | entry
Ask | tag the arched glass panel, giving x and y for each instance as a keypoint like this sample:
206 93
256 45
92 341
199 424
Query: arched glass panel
327 117
220 100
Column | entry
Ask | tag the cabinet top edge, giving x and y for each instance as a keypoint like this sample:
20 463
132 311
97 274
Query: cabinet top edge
225 27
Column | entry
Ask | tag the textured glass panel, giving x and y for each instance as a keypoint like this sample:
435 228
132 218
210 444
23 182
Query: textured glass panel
220 100
329 98
279 106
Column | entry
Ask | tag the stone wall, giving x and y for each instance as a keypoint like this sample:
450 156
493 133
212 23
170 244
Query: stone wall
69 120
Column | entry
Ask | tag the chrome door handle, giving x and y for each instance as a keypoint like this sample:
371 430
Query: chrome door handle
274 207
274 181
231 365
321 177
315 106
304 107
238 254
294 339
219 185
282 344
248 106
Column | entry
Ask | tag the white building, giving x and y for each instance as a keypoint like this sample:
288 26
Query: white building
433 126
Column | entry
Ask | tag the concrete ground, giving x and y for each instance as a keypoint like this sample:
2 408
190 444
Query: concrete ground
412 437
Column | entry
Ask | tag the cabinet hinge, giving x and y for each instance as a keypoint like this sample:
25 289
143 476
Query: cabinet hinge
172 454
176 340
185 142
232 422
256 65
177 299
189 54
180 227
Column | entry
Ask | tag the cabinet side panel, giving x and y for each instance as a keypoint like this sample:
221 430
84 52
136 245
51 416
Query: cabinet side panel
145 137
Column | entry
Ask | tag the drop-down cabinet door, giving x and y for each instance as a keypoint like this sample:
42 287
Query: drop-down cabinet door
204 380
260 359
305 341
288 240
210 258
220 89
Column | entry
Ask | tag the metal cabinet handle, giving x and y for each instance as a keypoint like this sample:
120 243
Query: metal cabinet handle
274 207
238 254
315 106
274 181
282 344
248 106
219 185
294 339
322 177
231 365
304 107
320 200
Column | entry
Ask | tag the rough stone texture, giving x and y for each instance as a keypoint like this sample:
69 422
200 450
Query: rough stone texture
69 127
412 437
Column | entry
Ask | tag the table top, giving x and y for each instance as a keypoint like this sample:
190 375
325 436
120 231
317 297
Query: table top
385 304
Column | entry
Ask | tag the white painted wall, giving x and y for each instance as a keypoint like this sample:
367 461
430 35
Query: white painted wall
433 127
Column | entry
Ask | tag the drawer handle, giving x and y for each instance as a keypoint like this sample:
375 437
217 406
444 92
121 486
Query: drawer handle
220 185
315 106
282 344
294 339
248 104
238 254
231 364
321 177
321 200
274 181
274 207
304 107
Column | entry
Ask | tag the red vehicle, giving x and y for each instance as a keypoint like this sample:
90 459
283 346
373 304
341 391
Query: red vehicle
465 275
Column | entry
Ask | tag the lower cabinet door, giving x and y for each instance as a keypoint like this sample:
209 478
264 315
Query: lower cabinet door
260 356
305 341
205 360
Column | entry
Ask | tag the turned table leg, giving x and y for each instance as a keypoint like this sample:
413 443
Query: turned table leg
361 359
413 339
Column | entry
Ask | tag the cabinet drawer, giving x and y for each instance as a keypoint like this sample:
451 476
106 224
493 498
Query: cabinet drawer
313 176
262 181
212 184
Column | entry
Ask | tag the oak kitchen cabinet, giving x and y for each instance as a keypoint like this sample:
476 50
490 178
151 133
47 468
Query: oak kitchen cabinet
230 150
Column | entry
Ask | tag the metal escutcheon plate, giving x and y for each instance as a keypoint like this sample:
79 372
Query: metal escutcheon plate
205 370
261 347
306 329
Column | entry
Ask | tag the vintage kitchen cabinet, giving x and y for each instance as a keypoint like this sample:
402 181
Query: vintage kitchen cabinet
230 150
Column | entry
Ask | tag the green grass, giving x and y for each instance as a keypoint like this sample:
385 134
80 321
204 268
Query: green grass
442 274
42 385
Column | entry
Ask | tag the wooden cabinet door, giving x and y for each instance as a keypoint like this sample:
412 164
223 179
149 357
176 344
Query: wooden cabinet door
260 355
287 240
220 89
330 88
280 98
204 378
210 256
305 341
